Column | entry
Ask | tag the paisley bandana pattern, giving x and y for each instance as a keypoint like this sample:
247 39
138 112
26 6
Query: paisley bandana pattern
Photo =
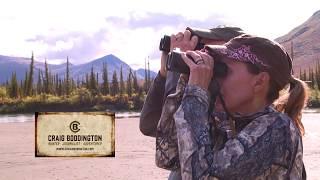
242 54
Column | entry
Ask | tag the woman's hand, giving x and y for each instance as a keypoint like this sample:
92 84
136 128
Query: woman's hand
201 68
183 41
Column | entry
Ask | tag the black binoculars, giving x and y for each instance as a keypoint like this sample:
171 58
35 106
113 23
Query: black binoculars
166 41
175 63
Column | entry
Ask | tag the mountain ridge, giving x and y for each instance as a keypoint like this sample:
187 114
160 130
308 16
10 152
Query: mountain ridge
11 64
304 43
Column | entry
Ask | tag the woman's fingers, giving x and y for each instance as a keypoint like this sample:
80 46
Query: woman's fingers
196 57
201 67
183 41
179 36
192 58
194 41
186 35
208 60
187 60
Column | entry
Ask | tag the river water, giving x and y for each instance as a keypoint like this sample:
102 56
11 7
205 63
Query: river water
12 118
308 116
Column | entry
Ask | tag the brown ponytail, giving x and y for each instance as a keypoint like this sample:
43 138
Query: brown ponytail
294 101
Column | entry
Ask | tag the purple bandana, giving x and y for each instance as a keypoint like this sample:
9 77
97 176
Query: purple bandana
242 54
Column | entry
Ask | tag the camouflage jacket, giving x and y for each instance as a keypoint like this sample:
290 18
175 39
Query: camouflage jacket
267 144
152 107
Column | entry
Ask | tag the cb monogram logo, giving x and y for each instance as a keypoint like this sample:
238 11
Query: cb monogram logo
74 126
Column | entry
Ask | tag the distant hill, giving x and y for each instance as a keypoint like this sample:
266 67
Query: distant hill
113 64
20 65
141 72
306 43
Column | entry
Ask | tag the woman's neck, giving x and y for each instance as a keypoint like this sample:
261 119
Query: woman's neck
253 107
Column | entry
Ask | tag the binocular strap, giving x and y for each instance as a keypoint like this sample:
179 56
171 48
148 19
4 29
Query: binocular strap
229 115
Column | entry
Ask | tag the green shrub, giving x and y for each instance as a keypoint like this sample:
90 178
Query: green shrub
83 95
3 93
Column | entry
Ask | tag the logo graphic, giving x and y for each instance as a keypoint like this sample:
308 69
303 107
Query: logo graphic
57 134
74 126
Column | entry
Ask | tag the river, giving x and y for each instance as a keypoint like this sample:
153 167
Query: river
12 118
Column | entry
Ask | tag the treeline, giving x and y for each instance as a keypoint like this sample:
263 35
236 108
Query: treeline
311 76
88 89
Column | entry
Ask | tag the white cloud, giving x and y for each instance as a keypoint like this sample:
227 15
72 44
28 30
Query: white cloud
63 45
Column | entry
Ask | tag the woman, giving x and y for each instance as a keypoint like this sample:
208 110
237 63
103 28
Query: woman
252 133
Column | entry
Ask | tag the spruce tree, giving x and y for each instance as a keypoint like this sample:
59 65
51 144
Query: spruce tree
72 85
20 89
30 78
39 84
56 84
105 84
46 81
93 84
122 87
68 88
51 83
25 84
115 84
63 89
59 88
78 83
97 79
145 85
129 83
135 83
13 88
97 83
87 81
7 86
311 78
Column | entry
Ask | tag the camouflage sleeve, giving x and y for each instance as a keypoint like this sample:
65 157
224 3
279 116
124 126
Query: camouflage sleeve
263 144
166 139
167 156
152 107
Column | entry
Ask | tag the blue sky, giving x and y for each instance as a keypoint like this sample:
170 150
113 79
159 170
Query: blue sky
131 29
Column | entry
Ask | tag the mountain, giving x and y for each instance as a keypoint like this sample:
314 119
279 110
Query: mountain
113 64
20 65
304 41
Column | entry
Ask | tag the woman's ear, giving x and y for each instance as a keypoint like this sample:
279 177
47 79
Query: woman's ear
261 82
